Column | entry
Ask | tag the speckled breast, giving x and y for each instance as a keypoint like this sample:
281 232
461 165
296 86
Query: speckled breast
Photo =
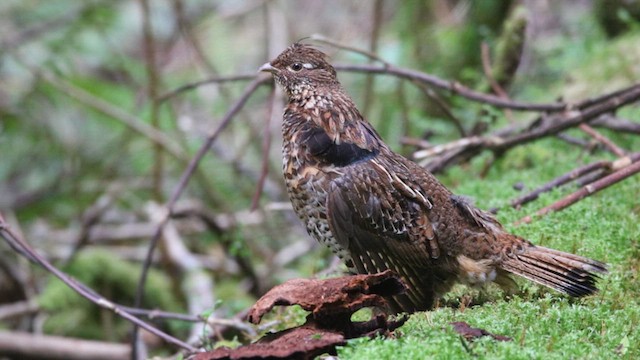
307 186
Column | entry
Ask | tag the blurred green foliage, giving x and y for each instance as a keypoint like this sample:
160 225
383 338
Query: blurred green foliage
69 314
60 153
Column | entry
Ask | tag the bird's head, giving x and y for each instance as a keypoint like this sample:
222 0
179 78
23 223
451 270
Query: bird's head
317 98
301 70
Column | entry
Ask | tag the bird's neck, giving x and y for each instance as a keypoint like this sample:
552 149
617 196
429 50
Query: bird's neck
310 96
333 111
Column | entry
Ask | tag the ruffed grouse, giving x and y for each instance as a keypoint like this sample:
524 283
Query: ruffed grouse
378 210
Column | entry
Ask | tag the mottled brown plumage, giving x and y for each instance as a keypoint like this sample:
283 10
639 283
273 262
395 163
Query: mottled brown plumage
378 210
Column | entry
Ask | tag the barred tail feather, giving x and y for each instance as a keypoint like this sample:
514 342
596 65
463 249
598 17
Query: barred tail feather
568 273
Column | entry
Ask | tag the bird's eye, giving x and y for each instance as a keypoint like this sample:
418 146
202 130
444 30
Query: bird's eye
296 67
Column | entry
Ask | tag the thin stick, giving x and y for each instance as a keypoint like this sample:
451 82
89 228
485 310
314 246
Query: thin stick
21 345
368 54
153 83
615 149
433 96
373 48
585 191
488 73
86 98
453 87
211 80
559 181
159 314
616 124
604 97
627 97
186 175
554 124
266 145
22 247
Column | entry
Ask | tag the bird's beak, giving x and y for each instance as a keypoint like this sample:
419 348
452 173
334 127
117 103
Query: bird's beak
268 68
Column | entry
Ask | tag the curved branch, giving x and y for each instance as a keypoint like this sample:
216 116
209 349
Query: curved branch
468 147
453 86
23 248
186 175
585 191
211 80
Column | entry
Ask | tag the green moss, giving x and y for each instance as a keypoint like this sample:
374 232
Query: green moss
542 323
69 314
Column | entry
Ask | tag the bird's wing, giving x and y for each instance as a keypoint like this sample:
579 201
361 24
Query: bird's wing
371 199
382 218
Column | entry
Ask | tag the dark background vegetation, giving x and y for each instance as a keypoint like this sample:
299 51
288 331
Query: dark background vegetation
95 134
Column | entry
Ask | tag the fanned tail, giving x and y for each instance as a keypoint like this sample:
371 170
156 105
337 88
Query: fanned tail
568 273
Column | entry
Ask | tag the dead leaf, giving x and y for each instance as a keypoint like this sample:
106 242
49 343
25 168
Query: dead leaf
331 303
471 333
303 342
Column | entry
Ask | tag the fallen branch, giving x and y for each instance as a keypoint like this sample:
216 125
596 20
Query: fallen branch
559 181
194 280
615 149
471 333
498 142
608 121
368 54
19 308
453 87
586 172
211 80
184 179
23 248
587 190
27 345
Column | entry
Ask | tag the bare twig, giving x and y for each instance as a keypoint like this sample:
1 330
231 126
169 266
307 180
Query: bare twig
186 175
234 323
585 144
32 346
604 97
18 309
617 124
266 145
373 48
159 314
488 73
153 83
615 149
26 250
453 87
148 44
587 190
575 118
404 112
466 148
463 143
435 98
368 54
211 80
113 111
559 181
